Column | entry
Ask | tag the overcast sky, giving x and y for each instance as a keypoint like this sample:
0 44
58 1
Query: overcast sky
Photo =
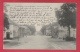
52 5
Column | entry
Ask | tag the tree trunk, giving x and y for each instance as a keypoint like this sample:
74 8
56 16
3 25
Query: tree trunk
69 31
51 28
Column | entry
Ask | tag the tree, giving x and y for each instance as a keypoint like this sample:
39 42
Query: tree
66 15
32 28
6 22
43 30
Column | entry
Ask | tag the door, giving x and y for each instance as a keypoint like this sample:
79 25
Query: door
8 35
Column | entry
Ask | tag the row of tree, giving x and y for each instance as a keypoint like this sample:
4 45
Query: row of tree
32 29
51 29
66 16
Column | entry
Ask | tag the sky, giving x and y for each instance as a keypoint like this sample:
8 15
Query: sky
52 5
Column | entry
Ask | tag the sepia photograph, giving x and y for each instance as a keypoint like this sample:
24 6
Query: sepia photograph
50 26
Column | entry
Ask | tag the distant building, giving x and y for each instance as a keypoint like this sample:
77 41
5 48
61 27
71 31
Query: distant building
63 32
59 31
12 31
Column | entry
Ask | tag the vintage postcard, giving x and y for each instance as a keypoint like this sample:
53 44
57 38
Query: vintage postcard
39 26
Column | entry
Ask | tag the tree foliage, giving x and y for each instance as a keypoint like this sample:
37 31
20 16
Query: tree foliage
6 22
32 28
43 29
66 15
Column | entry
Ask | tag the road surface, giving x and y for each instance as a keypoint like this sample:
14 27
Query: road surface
40 42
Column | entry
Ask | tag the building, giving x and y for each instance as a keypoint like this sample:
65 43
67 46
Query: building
12 31
15 31
63 32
